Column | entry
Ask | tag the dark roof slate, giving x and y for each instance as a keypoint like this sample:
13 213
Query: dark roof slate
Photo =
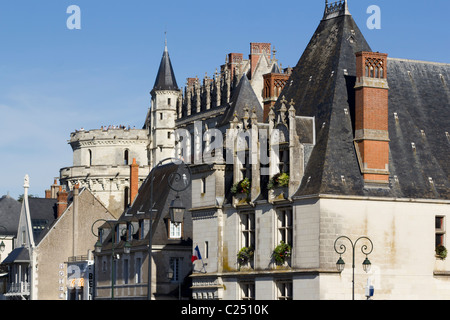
9 215
243 97
322 86
165 79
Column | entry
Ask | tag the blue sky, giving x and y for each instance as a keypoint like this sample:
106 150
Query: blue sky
54 80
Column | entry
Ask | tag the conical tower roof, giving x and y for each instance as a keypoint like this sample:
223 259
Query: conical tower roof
165 80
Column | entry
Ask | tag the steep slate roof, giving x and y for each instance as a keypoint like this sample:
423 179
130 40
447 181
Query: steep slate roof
44 210
162 197
322 86
243 97
9 215
165 80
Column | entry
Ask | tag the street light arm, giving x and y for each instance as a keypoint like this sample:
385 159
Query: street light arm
364 247
342 247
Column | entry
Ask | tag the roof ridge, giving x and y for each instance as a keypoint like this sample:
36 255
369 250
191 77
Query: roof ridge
420 61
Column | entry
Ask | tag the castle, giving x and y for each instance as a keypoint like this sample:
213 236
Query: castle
349 142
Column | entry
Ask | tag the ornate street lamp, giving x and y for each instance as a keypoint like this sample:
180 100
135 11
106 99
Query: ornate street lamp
176 211
2 244
340 264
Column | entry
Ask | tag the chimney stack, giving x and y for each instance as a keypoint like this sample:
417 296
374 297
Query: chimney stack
256 51
134 180
371 117
61 204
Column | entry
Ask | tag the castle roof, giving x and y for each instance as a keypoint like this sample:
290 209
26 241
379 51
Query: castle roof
322 86
9 215
243 98
165 79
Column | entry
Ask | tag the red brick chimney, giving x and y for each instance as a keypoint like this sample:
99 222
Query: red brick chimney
273 85
371 116
61 202
256 51
134 180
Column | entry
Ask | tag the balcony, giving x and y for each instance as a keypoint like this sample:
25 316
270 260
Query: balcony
18 289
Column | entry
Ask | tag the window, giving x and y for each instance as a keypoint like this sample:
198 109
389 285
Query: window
175 268
160 116
174 230
285 225
126 156
169 101
248 229
203 185
440 230
126 197
247 290
284 158
125 271
284 290
141 229
130 231
138 276
90 158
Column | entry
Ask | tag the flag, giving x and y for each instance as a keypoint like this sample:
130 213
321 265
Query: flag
196 255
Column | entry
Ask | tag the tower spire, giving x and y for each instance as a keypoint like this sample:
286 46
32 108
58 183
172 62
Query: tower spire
165 41
165 79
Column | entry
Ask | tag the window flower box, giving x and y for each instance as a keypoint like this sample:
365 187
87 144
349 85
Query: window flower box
281 254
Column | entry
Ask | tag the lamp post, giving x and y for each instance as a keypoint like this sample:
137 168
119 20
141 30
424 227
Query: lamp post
177 182
99 245
340 264
2 244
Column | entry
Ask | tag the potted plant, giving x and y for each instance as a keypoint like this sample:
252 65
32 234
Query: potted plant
281 253
441 252
245 256
278 187
242 189
280 180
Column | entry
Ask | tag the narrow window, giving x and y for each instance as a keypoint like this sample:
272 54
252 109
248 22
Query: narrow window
284 290
141 229
247 290
285 225
138 277
175 268
440 230
169 101
126 156
206 249
203 185
248 229
126 195
160 116
125 271
90 157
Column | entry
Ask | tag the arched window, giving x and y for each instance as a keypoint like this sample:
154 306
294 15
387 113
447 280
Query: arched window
126 156
90 157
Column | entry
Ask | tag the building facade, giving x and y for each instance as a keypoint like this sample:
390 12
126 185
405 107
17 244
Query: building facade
54 241
357 145
349 142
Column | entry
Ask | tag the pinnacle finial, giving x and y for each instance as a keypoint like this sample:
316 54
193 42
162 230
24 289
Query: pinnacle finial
165 41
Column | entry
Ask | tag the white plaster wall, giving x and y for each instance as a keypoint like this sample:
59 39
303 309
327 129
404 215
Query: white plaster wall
403 259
